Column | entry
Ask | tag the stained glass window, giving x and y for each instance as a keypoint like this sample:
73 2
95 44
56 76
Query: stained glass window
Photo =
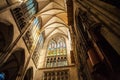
38 48
24 12
32 36
57 46
56 53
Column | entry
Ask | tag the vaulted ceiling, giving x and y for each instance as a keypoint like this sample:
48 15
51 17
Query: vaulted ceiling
53 14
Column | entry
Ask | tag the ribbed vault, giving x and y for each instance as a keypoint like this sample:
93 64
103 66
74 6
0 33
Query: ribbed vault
53 16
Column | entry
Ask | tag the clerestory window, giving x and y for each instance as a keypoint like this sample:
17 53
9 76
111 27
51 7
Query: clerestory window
56 53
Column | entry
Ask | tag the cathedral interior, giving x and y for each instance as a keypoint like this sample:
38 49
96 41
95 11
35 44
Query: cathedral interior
59 40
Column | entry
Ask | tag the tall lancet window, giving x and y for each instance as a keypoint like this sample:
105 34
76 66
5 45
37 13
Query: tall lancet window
56 53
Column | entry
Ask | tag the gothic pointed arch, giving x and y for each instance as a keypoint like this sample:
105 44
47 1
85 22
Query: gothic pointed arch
14 65
29 74
56 52
6 35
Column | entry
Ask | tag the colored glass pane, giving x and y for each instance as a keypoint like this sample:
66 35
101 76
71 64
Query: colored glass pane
58 46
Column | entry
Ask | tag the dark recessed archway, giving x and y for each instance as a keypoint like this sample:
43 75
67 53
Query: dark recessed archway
29 74
2 41
6 35
13 65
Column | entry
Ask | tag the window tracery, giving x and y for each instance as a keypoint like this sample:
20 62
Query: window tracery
24 12
56 75
56 53
32 35
38 48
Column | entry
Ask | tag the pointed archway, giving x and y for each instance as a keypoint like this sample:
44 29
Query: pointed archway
29 74
6 35
10 69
